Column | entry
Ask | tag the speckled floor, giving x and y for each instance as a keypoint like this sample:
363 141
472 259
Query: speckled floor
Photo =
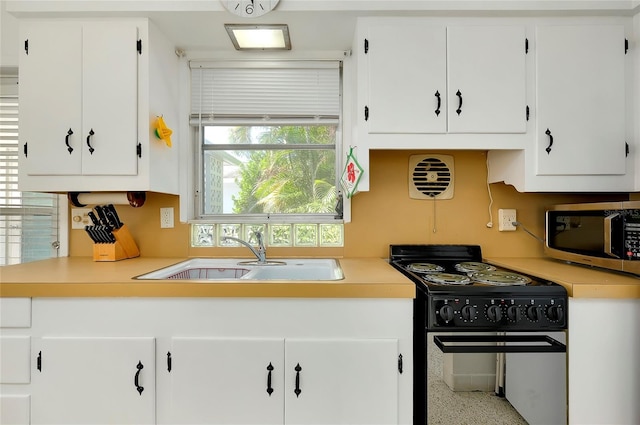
447 407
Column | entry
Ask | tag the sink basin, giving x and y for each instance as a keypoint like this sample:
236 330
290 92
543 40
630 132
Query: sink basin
241 269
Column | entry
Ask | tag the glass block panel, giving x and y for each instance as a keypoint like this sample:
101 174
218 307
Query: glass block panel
306 234
249 229
202 234
280 235
331 235
233 230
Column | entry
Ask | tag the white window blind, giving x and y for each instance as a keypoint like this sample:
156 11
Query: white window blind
28 221
227 90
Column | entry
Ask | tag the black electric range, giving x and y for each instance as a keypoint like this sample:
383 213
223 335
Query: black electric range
457 292
461 293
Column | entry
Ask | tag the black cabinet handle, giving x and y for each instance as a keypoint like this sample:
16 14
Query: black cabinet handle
298 390
548 133
135 379
168 352
269 387
459 110
39 361
66 141
91 133
437 95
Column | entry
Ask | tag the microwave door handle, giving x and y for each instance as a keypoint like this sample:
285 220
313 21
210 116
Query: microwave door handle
608 229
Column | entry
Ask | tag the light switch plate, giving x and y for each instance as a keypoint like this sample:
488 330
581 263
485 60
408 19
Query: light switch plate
80 218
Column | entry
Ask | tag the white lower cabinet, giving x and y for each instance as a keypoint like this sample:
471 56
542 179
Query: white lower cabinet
94 381
341 382
218 361
226 381
284 381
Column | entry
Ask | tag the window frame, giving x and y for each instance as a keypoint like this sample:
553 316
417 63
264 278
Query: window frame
197 125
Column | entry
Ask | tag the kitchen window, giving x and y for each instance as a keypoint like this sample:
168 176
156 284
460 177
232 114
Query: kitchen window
28 220
267 137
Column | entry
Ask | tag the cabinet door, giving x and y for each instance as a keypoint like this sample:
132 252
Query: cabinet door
51 97
341 381
110 98
79 98
93 381
486 79
406 69
227 381
581 100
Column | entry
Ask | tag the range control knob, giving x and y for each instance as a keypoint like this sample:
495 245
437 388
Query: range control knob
514 313
533 313
555 313
494 313
468 312
446 313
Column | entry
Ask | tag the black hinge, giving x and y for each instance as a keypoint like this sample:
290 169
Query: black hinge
626 46
400 369
139 150
626 149
25 150
169 361
366 46
366 113
39 361
526 46
26 46
527 113
139 46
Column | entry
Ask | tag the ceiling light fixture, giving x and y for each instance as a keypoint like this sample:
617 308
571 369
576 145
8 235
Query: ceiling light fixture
259 36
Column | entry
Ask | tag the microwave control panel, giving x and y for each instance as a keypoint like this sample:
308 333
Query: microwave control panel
632 234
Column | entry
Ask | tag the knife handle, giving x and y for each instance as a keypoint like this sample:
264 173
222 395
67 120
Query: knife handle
118 223
93 218
103 216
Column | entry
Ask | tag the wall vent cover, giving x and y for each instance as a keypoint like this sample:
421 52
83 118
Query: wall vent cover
431 176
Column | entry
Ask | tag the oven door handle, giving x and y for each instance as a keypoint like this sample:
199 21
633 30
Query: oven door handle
471 344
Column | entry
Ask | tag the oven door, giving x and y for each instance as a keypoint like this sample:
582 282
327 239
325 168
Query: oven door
529 368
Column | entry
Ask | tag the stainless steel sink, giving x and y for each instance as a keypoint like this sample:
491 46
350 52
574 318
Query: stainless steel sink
293 269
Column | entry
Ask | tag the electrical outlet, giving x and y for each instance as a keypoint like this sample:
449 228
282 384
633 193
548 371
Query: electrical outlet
506 219
80 218
166 218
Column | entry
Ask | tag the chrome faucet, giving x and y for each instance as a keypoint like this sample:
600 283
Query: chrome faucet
260 253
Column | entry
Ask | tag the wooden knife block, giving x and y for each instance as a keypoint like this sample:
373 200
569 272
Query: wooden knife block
124 247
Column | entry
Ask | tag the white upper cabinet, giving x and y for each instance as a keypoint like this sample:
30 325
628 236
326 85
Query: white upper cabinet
429 78
430 83
90 91
406 66
581 99
486 85
78 98
583 112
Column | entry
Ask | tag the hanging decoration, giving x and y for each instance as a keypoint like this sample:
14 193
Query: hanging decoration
162 131
351 175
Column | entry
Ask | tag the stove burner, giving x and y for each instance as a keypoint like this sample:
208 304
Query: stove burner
500 278
447 279
472 266
424 267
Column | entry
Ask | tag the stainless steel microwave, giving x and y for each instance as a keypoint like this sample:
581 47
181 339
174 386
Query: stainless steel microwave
603 234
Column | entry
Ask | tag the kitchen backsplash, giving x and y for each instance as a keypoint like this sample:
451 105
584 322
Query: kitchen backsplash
384 215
